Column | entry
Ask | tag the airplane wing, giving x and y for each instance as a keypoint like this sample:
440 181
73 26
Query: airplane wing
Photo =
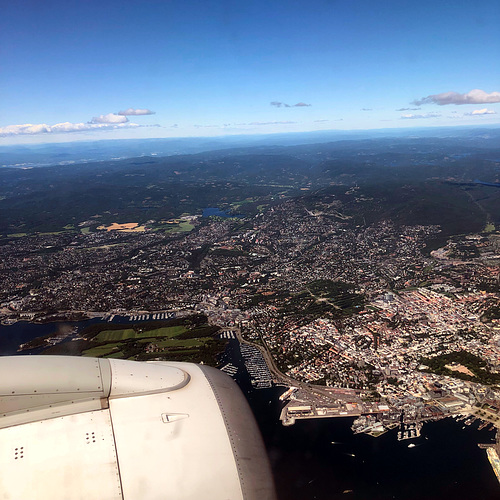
88 428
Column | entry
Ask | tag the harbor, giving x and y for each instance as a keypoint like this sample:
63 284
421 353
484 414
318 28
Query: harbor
256 366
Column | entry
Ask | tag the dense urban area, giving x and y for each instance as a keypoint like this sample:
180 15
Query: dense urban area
356 309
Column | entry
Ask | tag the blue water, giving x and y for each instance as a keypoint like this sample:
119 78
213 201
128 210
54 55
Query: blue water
213 211
12 336
492 184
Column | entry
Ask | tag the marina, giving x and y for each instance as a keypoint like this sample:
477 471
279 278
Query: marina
230 369
148 317
256 366
227 335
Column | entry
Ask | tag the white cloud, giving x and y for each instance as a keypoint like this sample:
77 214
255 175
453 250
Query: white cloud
475 96
110 121
109 118
479 112
135 112
69 127
30 129
410 116
27 128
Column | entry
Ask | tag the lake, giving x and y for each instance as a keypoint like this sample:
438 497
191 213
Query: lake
216 212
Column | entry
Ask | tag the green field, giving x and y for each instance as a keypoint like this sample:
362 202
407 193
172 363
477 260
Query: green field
176 342
102 350
129 333
187 339
182 227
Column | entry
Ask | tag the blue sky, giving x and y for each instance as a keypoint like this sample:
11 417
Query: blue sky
176 68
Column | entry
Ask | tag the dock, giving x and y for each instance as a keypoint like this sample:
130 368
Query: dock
494 461
260 376
409 431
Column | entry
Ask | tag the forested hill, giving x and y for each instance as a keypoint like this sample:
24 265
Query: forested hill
415 180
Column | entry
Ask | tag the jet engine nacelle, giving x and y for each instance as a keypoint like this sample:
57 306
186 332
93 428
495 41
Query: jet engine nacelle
88 428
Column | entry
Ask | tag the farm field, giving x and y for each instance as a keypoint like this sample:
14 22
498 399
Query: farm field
191 340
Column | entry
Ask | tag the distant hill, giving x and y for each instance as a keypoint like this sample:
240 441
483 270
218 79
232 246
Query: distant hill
412 180
67 153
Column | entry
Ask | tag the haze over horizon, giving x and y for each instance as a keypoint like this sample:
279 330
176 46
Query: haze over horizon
130 70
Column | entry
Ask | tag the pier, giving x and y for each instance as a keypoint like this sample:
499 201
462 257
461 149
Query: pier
494 461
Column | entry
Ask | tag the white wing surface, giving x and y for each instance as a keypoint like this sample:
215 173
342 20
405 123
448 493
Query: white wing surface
86 428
